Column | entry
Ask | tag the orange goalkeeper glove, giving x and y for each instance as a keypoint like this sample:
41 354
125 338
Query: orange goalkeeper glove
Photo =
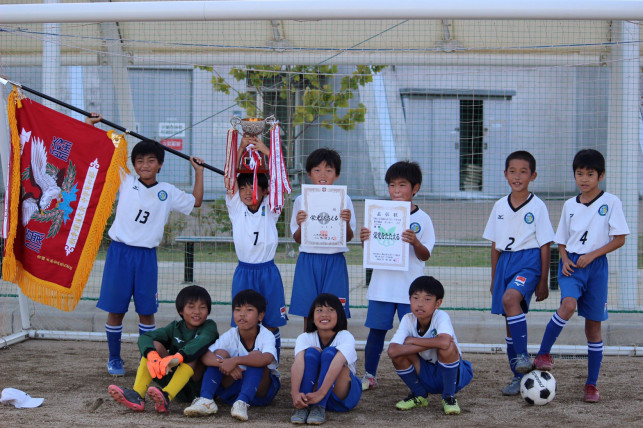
153 362
170 362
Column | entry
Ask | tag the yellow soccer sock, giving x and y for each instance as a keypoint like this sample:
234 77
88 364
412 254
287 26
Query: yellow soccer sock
180 378
143 378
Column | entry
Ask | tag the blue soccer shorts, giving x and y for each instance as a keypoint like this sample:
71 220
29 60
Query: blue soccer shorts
265 279
129 271
316 274
380 314
229 395
588 286
518 271
334 404
431 378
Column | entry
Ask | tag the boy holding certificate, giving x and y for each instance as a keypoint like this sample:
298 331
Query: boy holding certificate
388 289
320 269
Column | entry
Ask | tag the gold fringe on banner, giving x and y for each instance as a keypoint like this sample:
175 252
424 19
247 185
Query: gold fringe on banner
38 289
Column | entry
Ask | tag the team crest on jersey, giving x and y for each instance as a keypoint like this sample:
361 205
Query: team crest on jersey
162 195
602 211
263 211
433 333
529 218
520 280
415 227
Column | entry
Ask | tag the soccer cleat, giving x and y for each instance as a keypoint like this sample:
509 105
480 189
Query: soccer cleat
513 388
523 364
591 394
201 406
240 410
450 406
411 402
160 398
115 367
299 417
369 382
127 397
544 362
317 415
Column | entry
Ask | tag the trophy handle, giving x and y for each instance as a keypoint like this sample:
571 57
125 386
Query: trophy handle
235 121
271 120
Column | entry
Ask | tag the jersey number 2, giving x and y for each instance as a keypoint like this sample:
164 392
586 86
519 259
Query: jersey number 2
511 242
142 216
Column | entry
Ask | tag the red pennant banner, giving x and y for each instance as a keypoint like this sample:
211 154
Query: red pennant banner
64 175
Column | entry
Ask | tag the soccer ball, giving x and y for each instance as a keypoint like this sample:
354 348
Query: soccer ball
538 387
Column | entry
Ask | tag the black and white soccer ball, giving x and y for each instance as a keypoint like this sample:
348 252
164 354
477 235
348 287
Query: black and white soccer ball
538 387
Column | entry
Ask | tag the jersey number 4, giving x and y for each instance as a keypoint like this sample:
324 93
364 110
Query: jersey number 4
583 238
142 216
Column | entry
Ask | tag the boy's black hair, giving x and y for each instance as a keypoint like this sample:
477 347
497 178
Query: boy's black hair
326 299
589 159
143 148
330 156
246 179
404 169
192 293
522 155
429 285
251 298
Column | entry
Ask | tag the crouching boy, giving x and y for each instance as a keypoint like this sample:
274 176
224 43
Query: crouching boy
425 351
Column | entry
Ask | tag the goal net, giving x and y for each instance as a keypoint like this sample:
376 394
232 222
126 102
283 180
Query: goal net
454 95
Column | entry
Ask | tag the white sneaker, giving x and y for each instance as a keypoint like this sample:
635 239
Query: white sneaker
201 407
240 410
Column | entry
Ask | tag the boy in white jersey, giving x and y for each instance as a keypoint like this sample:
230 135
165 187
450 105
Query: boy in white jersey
592 224
388 289
320 269
131 269
254 231
520 233
242 363
425 351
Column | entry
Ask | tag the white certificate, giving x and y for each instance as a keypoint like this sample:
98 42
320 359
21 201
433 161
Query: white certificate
386 220
323 227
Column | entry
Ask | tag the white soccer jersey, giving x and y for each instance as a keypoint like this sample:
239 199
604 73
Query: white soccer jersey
230 341
320 250
393 285
343 341
519 228
440 324
584 228
255 234
141 212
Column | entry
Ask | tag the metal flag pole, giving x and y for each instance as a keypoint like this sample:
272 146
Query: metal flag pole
4 81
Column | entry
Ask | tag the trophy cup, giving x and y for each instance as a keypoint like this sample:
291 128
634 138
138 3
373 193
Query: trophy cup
253 126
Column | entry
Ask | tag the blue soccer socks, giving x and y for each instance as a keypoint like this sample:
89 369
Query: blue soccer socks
412 380
114 333
594 360
144 328
511 356
277 343
554 327
518 328
312 359
449 372
373 350
211 382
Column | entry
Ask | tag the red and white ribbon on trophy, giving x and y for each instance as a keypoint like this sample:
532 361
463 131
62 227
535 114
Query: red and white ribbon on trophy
278 176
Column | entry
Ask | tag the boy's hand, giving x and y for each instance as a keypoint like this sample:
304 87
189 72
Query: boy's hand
93 119
491 287
364 234
409 236
227 366
153 361
314 397
197 163
301 217
584 260
567 266
345 215
170 362
299 400
542 291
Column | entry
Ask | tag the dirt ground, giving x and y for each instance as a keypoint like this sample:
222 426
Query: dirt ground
71 376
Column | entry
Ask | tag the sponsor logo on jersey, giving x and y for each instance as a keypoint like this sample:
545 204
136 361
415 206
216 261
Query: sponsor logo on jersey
162 195
415 227
342 300
529 218
602 211
520 280
178 340
501 217
282 311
